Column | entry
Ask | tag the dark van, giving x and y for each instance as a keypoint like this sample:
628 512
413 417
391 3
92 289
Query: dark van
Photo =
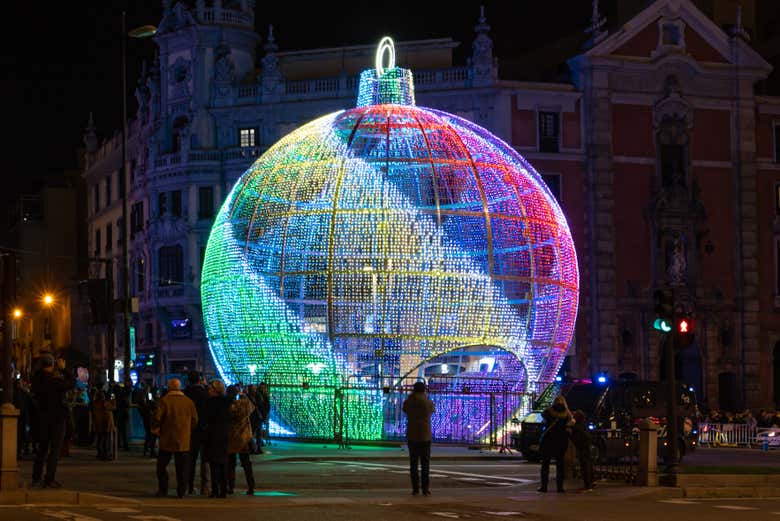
615 406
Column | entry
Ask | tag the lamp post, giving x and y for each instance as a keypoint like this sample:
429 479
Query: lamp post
144 31
48 302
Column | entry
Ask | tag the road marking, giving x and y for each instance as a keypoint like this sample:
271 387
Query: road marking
68 516
735 507
470 479
451 515
449 473
498 483
679 501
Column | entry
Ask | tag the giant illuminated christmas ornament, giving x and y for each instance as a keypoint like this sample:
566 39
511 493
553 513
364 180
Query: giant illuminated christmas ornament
377 243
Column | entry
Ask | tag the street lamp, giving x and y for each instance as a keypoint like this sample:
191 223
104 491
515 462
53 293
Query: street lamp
145 31
48 301
18 313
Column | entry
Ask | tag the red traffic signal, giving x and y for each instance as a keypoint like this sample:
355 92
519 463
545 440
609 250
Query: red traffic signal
684 331
684 325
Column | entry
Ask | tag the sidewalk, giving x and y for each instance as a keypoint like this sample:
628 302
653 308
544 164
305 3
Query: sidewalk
300 451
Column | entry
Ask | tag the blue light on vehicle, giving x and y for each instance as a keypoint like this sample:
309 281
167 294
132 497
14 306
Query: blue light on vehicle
690 389
601 379
591 427
695 431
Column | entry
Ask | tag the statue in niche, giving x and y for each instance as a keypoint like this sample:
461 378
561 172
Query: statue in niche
225 70
676 262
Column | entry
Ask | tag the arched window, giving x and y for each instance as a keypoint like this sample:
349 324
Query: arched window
171 265
176 133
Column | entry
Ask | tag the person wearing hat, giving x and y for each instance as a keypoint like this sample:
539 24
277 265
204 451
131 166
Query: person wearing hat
419 409
49 386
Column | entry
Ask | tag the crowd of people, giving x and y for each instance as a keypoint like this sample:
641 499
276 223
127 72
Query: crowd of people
206 423
762 419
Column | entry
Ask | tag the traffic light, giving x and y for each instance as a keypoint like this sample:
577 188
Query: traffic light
663 325
683 329
664 310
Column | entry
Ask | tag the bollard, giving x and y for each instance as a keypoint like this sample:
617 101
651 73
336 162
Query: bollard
648 454
9 466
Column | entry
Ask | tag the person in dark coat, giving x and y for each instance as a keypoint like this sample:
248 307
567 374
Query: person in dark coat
22 403
49 387
103 424
197 392
147 405
555 441
582 440
419 409
122 395
263 404
216 423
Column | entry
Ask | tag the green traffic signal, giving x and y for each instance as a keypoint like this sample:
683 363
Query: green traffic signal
661 324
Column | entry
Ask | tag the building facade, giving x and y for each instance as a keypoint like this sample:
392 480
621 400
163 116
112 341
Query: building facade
662 156
44 231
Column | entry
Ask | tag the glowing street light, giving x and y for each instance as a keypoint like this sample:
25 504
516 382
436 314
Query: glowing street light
18 313
48 299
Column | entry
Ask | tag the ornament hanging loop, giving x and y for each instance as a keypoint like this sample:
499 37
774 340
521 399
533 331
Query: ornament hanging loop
386 45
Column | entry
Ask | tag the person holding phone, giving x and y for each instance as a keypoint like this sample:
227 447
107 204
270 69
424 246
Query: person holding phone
49 385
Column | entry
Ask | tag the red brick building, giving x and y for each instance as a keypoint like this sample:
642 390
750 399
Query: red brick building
667 166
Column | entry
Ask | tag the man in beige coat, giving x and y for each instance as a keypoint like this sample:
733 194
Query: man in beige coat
419 409
173 422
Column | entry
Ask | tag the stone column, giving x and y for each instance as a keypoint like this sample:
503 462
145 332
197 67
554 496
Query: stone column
9 466
648 454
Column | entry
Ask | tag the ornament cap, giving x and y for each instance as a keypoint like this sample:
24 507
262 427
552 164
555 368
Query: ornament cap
385 84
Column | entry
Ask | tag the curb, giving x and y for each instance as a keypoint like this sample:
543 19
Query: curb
61 497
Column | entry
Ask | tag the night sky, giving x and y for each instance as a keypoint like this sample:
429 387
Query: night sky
61 59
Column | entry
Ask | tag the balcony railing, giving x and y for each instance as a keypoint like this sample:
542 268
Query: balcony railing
226 16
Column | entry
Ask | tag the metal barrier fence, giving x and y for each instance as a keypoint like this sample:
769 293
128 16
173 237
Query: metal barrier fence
326 407
469 410
727 435
617 455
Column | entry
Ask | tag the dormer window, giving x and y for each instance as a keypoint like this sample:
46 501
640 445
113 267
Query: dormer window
671 36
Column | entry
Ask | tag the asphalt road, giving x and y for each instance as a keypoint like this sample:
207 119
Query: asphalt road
388 508
371 490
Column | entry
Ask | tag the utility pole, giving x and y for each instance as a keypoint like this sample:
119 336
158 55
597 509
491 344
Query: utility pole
9 292
125 277
671 403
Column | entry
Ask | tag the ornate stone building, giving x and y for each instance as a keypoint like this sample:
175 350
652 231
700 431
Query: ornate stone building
661 154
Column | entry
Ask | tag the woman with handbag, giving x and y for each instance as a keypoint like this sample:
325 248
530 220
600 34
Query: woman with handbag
555 441
239 442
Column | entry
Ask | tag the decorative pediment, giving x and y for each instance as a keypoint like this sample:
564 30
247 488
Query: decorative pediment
677 26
